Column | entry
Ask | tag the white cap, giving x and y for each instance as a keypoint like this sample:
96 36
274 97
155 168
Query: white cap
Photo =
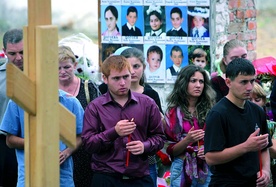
120 50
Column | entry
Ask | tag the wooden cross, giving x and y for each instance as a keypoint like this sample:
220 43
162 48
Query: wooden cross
36 91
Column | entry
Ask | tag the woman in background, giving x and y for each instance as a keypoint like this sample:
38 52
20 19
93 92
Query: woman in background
188 104
232 49
84 91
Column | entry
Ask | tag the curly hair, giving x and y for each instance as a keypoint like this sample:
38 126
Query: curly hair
179 95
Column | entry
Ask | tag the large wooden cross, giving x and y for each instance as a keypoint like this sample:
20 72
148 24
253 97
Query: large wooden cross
36 91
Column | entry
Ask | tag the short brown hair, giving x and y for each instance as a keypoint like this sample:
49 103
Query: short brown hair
115 62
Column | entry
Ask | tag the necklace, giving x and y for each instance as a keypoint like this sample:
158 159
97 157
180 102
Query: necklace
76 87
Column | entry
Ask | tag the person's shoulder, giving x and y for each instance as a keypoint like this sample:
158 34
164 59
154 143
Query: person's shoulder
169 32
141 97
217 79
124 27
221 105
101 100
149 91
254 106
182 32
103 88
137 28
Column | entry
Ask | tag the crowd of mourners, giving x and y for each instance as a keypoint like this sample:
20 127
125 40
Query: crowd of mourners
217 130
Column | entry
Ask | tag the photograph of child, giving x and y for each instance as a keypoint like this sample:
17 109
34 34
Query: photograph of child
111 20
155 17
199 57
175 61
175 26
130 28
155 69
198 22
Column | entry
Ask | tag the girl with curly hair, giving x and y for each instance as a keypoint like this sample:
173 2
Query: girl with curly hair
188 104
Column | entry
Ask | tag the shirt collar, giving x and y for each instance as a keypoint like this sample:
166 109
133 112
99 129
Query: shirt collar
174 29
4 65
177 69
158 32
108 98
129 26
201 30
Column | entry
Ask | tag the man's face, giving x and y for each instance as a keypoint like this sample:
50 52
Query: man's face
241 86
176 20
14 52
118 82
177 58
131 18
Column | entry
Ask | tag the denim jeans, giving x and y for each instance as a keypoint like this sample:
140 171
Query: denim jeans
153 173
176 170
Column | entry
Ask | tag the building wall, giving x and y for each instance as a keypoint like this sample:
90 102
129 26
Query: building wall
236 19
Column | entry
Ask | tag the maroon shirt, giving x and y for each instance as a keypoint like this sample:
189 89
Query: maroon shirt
107 147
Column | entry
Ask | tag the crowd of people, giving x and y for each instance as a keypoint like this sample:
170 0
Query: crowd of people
216 130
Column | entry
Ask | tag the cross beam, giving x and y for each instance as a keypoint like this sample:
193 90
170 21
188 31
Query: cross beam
36 91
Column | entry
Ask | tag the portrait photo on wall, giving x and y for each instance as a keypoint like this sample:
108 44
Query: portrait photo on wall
198 21
176 58
155 56
110 23
130 25
155 21
176 24
200 56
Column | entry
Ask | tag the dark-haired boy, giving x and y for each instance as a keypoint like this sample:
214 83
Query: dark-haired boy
176 19
176 56
129 29
236 138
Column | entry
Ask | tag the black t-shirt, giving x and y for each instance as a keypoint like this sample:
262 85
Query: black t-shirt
226 126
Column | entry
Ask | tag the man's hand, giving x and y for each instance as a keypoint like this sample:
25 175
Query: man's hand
255 142
135 147
125 127
263 181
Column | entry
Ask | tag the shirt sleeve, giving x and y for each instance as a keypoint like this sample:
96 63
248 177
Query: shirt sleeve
156 136
11 120
95 138
214 139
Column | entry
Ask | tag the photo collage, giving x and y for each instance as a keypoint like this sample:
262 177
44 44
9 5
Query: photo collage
171 33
